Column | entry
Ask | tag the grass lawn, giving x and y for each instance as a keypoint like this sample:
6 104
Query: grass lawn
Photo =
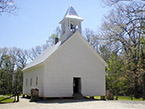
128 98
6 101
120 98
96 97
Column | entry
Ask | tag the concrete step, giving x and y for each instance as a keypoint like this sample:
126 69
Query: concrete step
78 96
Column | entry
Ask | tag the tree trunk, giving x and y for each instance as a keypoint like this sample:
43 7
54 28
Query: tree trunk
136 88
116 97
17 97
131 97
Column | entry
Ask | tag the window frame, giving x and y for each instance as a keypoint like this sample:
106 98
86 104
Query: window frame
36 80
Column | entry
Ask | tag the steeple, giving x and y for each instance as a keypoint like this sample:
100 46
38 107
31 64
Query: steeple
71 13
70 23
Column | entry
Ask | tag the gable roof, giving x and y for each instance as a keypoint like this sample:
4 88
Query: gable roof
49 51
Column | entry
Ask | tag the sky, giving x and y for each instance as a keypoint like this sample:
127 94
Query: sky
36 20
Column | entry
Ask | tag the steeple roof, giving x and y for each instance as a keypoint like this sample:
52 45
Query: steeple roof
71 13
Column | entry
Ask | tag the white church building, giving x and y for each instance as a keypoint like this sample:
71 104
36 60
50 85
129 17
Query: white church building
69 67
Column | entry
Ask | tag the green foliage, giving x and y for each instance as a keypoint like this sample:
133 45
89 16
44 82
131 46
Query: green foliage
124 26
11 62
51 39
114 75
105 52
128 98
56 34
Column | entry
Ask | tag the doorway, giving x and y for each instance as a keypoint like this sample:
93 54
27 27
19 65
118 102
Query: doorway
76 85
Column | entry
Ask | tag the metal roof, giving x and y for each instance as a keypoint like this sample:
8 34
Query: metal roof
49 51
42 57
71 13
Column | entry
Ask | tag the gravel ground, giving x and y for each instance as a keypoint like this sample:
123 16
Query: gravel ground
74 104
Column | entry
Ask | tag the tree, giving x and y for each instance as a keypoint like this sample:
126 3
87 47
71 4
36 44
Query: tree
12 61
35 52
57 31
114 2
51 39
105 52
7 6
92 38
114 77
141 66
56 34
124 26
6 74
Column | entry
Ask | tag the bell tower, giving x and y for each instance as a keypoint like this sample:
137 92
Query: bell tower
70 24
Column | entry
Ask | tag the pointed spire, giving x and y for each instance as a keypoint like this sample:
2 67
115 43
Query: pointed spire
71 13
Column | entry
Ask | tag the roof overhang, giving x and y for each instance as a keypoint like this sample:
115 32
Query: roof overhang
71 18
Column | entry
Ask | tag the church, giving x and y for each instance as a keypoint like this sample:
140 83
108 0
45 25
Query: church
69 67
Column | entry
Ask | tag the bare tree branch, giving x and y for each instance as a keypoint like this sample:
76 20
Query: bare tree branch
7 6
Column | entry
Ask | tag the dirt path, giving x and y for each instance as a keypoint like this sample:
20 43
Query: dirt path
74 104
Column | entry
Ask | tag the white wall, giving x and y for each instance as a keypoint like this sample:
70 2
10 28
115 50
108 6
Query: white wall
33 73
73 59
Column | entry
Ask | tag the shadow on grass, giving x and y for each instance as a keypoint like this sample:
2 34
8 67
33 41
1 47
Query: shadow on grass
7 101
4 100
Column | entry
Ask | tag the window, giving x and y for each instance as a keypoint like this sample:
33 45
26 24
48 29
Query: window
26 82
72 28
31 82
36 81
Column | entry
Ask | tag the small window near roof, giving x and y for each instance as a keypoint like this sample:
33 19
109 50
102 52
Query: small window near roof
36 81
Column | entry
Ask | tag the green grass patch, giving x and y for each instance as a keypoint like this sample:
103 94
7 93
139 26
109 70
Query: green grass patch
21 95
87 96
96 97
129 98
6 101
8 94
120 98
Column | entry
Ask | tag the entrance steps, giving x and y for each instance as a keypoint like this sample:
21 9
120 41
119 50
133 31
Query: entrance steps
78 96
